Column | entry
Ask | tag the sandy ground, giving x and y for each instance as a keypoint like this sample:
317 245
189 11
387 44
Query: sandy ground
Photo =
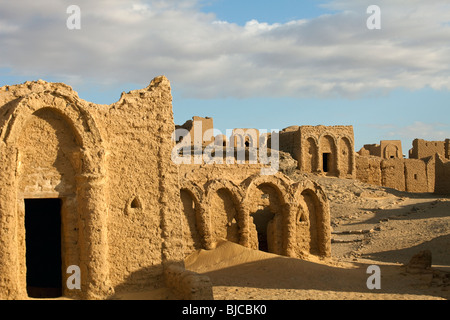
371 226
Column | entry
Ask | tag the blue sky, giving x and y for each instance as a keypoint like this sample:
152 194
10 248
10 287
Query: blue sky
258 64
282 11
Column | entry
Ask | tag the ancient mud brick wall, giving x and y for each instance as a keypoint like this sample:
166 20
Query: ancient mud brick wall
110 166
196 129
416 179
368 169
422 149
411 175
393 174
289 140
430 164
442 183
188 285
245 137
269 213
391 149
447 149
387 149
370 150
327 150
144 197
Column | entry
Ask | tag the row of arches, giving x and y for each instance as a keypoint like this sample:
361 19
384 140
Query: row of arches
267 213
333 156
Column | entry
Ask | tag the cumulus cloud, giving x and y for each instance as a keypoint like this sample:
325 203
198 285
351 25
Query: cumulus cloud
133 41
421 130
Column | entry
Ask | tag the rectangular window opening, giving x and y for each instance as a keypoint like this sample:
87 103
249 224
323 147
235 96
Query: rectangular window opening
326 160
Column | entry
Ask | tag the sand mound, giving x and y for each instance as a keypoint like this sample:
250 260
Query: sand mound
241 273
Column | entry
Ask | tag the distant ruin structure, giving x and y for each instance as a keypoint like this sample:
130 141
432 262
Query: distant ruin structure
424 171
199 130
245 138
387 149
321 149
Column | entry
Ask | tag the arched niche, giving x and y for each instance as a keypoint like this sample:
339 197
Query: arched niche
74 163
223 212
346 157
192 220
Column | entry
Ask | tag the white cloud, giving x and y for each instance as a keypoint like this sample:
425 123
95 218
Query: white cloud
133 41
421 130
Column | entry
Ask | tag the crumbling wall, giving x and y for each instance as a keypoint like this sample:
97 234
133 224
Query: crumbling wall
370 150
423 149
416 179
368 169
64 127
442 183
245 137
387 149
200 131
447 149
112 168
144 198
223 210
411 175
289 140
430 164
312 221
188 285
393 174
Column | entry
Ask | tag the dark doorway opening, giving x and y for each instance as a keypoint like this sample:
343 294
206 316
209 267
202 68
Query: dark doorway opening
326 162
262 218
43 247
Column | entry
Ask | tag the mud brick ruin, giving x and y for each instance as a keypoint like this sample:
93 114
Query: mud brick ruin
120 209
100 181
321 149
426 170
